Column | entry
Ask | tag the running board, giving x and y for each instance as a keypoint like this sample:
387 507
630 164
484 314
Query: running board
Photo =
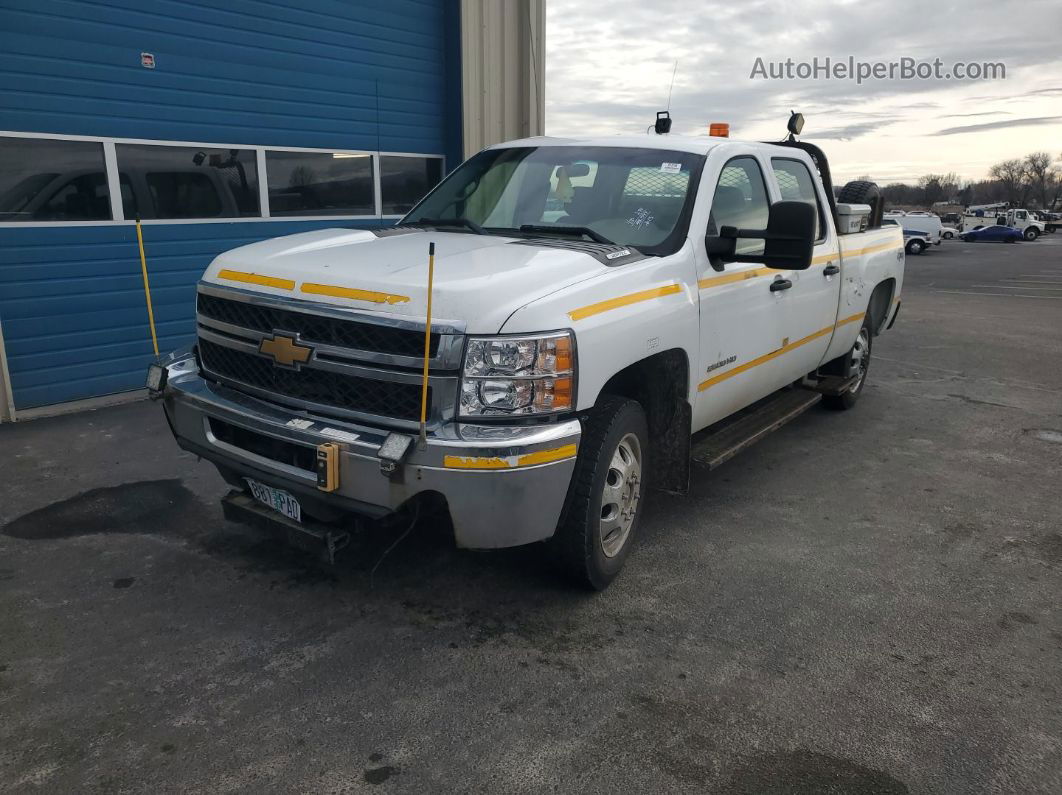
733 436
237 506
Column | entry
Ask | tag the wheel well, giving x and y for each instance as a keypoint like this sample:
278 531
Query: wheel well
880 301
661 383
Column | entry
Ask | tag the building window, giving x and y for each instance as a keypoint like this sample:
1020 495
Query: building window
52 180
404 181
188 182
320 183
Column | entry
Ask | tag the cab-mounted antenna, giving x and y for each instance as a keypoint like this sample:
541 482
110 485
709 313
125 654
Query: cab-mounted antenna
663 117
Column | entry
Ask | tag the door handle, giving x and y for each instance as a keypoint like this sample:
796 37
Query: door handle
831 270
780 284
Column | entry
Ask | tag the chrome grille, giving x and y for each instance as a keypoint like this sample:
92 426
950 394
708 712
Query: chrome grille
315 328
323 387
361 367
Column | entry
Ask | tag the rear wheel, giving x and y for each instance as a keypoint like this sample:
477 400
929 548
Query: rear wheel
601 515
854 364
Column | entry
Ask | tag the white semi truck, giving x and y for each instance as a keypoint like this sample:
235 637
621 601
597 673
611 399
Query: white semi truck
605 314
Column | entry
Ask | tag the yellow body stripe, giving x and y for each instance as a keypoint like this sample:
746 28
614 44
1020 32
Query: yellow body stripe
257 278
729 278
354 293
623 300
512 462
741 368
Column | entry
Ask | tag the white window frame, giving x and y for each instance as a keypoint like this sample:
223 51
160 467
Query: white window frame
110 161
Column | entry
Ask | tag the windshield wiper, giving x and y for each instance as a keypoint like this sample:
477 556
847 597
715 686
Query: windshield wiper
470 225
582 231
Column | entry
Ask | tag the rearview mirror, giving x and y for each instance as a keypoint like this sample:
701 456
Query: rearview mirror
788 239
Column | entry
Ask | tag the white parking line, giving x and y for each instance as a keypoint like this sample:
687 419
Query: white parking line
1000 295
1008 287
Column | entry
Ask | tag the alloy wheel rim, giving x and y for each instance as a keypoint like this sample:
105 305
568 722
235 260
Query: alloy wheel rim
860 359
620 496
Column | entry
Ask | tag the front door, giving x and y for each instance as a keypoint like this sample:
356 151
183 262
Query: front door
741 321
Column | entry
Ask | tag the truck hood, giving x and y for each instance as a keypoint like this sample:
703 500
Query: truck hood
479 280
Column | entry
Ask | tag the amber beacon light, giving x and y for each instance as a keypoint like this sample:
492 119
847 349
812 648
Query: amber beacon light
719 129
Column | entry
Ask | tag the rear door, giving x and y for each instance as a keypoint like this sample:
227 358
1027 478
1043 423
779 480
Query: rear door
809 306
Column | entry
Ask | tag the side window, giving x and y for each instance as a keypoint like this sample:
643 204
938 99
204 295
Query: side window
52 180
740 200
796 184
191 181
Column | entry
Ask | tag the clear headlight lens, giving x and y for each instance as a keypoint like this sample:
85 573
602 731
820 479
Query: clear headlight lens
518 375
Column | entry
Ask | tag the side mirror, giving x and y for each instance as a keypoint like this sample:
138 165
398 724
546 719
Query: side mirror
789 239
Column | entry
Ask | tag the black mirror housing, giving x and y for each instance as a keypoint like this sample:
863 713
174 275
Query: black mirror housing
789 239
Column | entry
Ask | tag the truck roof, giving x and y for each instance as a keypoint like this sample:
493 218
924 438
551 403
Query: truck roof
700 144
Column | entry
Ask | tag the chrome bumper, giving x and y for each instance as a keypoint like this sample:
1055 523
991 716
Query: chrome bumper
504 485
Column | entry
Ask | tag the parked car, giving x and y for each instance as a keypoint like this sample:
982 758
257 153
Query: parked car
949 232
993 234
925 223
914 242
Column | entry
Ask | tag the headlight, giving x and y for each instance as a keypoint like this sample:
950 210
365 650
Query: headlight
524 375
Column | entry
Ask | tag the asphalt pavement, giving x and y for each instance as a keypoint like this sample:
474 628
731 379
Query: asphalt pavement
863 602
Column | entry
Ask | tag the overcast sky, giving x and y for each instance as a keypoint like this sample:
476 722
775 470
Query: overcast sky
608 66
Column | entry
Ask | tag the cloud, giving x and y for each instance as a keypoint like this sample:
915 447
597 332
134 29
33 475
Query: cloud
982 113
999 125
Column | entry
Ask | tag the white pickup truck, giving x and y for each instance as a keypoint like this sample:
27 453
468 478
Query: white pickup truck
605 311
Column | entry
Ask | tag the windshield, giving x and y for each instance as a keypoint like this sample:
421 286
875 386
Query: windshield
633 197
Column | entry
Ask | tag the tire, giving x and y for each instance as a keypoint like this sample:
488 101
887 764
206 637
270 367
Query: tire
948 235
855 362
600 517
967 238
915 246
1031 233
859 191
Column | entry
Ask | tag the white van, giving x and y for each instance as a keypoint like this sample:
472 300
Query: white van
927 223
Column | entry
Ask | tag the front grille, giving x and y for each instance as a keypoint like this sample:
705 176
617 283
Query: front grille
316 328
350 393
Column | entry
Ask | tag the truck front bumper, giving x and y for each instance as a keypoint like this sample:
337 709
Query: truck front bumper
504 485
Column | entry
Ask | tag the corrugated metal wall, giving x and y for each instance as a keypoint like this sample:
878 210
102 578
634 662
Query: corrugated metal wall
503 59
243 72
366 75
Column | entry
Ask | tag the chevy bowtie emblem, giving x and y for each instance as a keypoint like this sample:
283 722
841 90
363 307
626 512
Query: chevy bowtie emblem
284 350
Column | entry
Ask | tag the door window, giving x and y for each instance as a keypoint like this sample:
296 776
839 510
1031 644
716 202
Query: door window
796 184
740 200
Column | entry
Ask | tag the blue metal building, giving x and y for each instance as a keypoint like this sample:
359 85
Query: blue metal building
218 125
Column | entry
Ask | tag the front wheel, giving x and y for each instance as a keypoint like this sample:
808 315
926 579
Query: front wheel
1031 233
915 247
604 502
854 364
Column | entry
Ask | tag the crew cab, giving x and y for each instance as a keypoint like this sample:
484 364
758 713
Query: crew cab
606 313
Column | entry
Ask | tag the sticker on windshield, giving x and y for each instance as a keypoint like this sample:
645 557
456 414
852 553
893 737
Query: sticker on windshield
640 219
671 168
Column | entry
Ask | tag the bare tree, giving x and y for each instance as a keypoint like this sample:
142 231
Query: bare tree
1038 171
1013 179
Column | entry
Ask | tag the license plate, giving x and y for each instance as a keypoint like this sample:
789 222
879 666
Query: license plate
277 499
